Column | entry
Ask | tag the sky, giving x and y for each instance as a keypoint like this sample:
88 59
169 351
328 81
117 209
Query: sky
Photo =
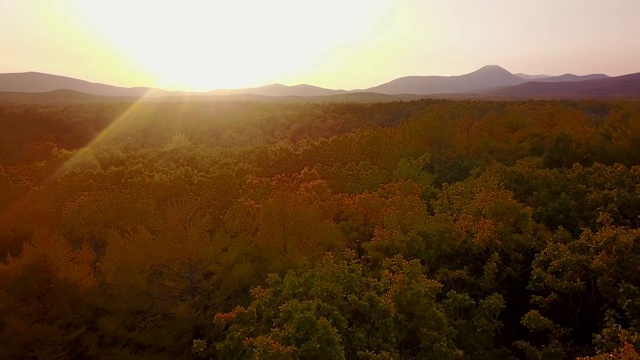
341 44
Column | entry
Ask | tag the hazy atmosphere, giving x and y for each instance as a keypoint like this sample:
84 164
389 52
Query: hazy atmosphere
205 45
292 180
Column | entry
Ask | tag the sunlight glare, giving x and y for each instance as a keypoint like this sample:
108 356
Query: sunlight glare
198 45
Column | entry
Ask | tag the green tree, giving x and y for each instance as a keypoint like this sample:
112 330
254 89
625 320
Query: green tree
339 310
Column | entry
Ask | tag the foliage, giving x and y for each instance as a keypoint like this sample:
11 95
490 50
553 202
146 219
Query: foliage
336 310
421 229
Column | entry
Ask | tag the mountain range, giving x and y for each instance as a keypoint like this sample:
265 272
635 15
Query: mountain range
491 81
626 86
40 82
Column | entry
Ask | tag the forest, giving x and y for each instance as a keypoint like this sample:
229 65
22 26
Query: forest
425 229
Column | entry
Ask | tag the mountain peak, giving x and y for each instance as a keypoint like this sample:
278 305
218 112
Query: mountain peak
492 69
490 66
493 75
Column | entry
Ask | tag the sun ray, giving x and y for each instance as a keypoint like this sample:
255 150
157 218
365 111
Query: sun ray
31 198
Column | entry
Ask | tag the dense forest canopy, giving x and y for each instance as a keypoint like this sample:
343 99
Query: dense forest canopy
249 230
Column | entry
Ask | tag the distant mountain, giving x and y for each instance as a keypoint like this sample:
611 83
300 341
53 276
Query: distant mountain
490 80
561 78
532 77
280 90
486 77
572 78
40 82
619 87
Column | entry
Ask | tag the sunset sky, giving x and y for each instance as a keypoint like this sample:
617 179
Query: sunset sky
204 45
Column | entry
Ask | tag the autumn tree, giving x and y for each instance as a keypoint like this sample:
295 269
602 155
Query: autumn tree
339 310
